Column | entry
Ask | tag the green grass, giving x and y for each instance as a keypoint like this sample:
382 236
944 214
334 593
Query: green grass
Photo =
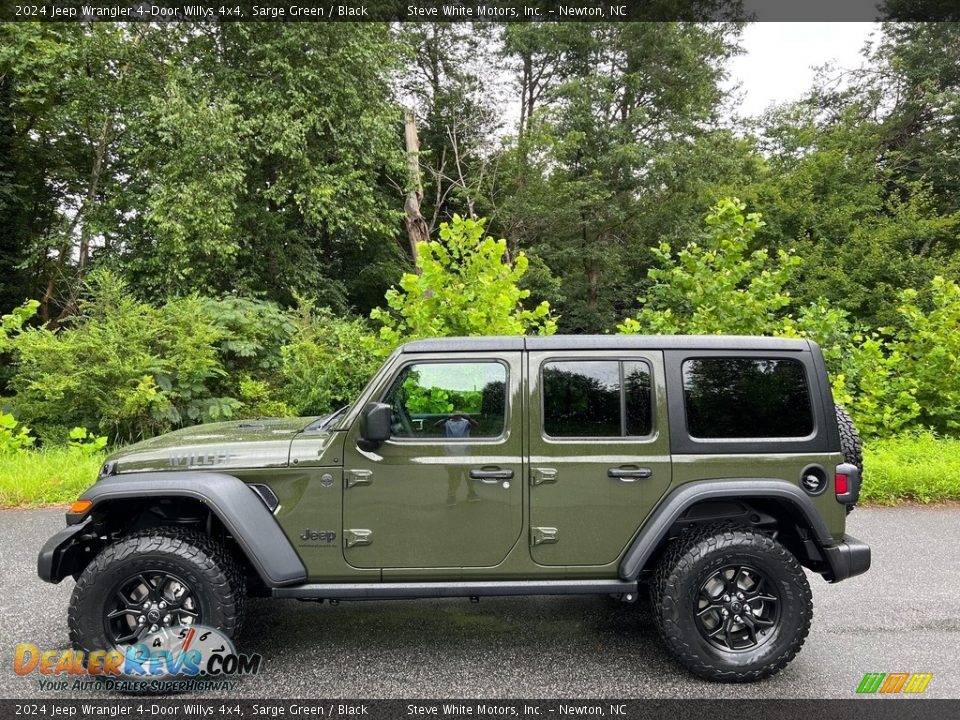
914 468
46 477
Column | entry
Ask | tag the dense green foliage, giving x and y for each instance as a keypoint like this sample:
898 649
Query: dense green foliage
889 378
463 285
200 162
326 361
14 437
717 285
131 370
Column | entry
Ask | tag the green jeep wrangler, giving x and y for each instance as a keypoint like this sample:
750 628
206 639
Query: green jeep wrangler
711 470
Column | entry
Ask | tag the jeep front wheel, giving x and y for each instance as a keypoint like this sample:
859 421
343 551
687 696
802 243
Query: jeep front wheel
731 603
155 578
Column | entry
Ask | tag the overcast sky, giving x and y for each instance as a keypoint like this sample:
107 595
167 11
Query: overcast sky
780 57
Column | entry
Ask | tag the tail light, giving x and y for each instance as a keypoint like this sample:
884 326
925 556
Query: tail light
842 484
846 483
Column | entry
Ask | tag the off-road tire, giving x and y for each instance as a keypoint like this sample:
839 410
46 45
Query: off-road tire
207 566
687 564
850 444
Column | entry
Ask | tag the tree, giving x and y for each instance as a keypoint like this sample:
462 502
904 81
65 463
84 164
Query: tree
453 95
293 182
463 287
72 89
212 159
857 181
717 285
579 178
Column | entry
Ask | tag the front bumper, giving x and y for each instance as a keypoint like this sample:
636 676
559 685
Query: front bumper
848 558
62 554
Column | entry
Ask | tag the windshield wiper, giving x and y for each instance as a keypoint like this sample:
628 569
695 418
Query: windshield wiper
326 422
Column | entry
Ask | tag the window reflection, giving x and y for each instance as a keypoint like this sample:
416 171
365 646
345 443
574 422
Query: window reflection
588 398
455 400
746 398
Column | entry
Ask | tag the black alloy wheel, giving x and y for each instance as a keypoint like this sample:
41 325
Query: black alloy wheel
737 608
146 602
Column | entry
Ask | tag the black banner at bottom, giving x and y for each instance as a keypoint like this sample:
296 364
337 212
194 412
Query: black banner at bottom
137 708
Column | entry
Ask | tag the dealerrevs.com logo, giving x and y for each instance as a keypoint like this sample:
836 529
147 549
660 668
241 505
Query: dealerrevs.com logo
894 683
173 659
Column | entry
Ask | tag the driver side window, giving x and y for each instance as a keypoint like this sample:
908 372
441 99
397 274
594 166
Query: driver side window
449 400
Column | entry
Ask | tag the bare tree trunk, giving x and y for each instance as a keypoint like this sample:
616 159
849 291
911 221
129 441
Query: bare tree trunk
417 229
526 89
95 174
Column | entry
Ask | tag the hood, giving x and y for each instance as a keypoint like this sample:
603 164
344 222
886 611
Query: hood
238 444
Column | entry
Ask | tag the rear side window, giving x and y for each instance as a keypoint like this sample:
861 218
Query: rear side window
597 398
746 398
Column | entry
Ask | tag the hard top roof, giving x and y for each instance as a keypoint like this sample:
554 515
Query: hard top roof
604 342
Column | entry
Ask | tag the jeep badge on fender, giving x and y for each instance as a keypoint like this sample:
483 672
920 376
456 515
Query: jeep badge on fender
324 536
709 472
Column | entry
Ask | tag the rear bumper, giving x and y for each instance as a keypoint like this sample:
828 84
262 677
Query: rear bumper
850 557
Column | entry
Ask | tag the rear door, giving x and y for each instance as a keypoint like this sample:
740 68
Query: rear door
599 451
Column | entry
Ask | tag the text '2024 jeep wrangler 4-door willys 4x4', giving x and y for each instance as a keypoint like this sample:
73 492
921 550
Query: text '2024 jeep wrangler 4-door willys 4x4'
710 469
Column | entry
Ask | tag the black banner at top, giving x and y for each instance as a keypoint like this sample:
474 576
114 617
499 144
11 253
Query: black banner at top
476 10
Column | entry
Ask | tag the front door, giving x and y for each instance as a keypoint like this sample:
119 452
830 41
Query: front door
446 490
599 452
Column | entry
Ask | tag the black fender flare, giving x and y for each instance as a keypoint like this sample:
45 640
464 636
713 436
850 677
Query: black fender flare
234 503
685 496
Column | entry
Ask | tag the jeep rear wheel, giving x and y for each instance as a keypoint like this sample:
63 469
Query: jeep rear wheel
155 578
731 603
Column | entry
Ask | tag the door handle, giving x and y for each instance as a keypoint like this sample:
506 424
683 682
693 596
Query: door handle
629 474
491 475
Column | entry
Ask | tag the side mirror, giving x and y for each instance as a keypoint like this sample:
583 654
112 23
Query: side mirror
375 424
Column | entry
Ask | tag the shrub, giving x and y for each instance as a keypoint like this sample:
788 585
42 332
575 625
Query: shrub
890 380
13 438
253 333
927 344
121 366
909 376
716 285
327 361
12 325
464 285
86 442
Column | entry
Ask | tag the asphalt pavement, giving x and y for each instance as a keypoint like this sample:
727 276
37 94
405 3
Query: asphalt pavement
902 616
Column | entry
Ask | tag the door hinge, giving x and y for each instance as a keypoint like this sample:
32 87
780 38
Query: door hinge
358 477
542 476
354 537
543 535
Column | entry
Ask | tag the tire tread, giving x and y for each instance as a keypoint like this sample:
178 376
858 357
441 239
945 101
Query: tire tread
676 565
215 563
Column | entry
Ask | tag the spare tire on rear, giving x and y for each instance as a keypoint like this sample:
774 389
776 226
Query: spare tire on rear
850 444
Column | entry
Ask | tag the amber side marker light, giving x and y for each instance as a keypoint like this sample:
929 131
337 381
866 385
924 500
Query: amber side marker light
79 507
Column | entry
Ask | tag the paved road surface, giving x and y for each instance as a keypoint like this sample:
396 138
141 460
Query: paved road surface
903 615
